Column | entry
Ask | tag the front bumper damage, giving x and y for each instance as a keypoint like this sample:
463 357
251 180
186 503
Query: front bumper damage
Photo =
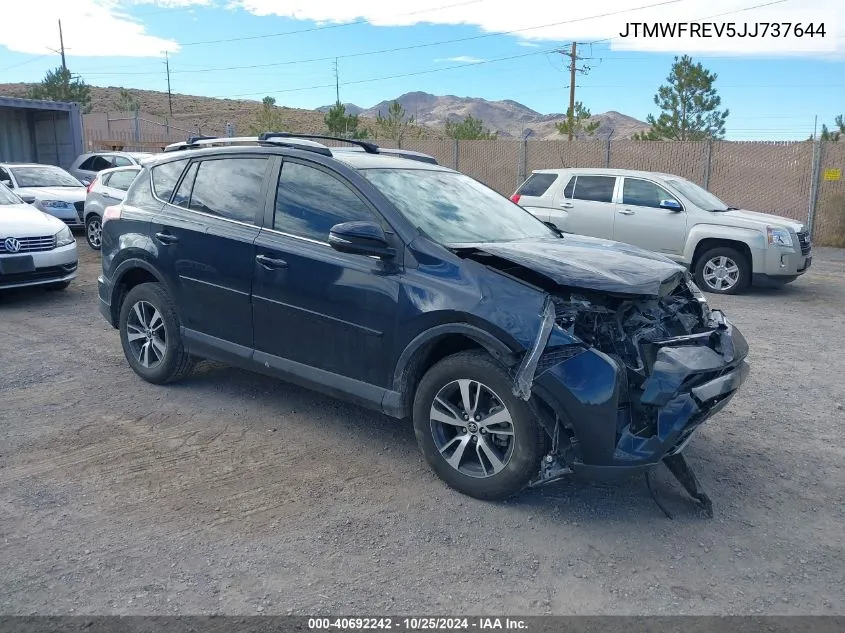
633 396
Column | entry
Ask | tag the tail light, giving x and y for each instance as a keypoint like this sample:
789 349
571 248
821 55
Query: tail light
91 184
111 213
515 198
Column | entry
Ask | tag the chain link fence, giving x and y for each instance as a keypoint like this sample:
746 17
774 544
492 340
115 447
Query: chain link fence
797 180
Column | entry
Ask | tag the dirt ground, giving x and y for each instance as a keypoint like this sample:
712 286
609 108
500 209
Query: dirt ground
232 493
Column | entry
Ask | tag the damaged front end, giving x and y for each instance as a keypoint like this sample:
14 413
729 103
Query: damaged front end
629 379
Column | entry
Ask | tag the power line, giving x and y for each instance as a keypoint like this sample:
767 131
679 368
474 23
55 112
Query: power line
372 79
29 61
417 46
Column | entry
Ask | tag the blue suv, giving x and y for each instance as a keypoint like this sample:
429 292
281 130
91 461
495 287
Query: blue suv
521 354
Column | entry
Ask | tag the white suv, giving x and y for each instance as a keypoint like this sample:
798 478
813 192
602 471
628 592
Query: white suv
726 248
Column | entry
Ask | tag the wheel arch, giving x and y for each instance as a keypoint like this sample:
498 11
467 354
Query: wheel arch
710 243
434 344
131 273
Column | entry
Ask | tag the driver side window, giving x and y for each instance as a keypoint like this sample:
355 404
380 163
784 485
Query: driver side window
643 193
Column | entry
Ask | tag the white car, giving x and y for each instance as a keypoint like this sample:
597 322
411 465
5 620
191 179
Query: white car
51 189
108 188
727 249
36 249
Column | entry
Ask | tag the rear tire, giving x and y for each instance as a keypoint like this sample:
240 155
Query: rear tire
485 463
94 231
150 335
722 270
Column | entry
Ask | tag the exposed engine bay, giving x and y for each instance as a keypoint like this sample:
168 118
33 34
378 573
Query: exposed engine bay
675 361
618 326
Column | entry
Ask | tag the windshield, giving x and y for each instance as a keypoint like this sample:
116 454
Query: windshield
7 197
37 176
698 196
453 209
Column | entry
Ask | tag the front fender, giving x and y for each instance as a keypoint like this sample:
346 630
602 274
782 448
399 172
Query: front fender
754 239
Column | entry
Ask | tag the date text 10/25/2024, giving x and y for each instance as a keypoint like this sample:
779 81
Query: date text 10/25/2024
402 624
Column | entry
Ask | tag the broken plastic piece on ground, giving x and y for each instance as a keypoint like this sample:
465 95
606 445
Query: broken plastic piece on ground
678 466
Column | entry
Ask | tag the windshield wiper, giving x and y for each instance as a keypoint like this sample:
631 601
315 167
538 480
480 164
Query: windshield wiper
556 230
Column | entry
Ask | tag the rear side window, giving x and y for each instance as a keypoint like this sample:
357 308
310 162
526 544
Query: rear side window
122 179
120 161
537 184
594 188
230 188
166 176
96 163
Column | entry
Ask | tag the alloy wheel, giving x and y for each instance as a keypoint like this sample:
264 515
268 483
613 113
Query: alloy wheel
146 334
94 233
720 273
472 428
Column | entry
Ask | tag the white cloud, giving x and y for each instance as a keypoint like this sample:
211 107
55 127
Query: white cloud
528 44
462 59
94 28
576 21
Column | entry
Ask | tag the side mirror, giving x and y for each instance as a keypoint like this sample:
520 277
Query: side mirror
85 181
7 182
672 205
360 238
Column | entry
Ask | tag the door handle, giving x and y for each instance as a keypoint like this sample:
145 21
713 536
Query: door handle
270 263
166 238
565 205
626 212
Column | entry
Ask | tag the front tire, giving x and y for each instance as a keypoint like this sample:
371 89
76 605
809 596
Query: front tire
478 437
94 231
150 335
722 270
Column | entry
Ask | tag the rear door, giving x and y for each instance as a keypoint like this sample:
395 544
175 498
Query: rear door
536 195
205 236
585 205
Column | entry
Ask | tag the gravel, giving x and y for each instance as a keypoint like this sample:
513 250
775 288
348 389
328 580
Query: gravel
231 493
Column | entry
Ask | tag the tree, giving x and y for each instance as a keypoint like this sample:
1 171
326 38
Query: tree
341 124
394 126
832 135
689 105
127 102
470 129
577 121
60 85
268 118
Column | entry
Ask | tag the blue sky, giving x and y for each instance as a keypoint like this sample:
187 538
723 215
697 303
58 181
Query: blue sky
773 95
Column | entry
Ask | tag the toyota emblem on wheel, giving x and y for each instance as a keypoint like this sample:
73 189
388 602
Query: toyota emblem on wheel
12 245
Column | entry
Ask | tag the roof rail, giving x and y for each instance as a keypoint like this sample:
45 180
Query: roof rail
196 142
370 148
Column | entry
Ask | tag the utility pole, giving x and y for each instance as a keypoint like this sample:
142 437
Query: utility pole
336 82
573 68
815 123
62 45
169 96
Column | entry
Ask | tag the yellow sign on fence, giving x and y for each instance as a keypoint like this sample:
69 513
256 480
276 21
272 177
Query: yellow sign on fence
832 174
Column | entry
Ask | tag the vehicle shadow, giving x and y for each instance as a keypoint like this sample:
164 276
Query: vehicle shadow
570 499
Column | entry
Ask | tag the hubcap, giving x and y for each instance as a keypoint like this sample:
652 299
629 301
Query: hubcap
480 447
95 233
146 335
720 273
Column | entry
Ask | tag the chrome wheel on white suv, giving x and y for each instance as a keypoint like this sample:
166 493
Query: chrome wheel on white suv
722 270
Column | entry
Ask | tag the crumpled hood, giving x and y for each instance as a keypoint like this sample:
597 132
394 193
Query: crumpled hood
592 264
67 194
749 218
24 220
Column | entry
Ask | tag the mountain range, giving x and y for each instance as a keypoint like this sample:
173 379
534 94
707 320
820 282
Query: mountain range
507 118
